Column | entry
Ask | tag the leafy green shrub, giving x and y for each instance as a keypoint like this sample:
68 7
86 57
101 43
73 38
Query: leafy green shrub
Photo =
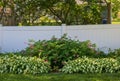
91 65
114 54
59 50
23 65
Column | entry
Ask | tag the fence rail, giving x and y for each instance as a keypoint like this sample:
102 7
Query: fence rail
14 38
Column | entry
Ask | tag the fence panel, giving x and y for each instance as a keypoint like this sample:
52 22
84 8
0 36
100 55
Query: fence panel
105 36
0 38
16 38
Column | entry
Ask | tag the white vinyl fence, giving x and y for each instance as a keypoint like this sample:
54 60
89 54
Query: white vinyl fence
16 38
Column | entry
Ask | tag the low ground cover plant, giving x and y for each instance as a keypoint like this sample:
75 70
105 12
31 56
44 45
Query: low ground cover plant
59 50
23 65
92 65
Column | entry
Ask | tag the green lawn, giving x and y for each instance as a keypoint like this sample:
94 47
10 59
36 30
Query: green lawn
61 77
115 22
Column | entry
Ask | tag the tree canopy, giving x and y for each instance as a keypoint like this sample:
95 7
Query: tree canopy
40 12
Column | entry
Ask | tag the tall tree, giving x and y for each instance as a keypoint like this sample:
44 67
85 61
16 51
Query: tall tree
25 12
28 11
113 8
73 12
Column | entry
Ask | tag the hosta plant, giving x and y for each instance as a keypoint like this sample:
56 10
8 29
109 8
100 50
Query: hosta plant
23 65
91 65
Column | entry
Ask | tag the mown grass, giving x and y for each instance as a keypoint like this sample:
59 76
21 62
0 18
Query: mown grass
115 22
61 77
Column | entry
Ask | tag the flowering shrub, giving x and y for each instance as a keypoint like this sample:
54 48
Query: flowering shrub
23 65
59 50
91 65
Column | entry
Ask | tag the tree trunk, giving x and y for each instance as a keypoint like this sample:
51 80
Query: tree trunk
109 13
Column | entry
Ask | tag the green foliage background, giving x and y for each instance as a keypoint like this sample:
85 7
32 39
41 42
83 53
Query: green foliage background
31 12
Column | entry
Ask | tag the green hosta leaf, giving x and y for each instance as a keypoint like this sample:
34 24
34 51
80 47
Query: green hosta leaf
19 65
92 65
